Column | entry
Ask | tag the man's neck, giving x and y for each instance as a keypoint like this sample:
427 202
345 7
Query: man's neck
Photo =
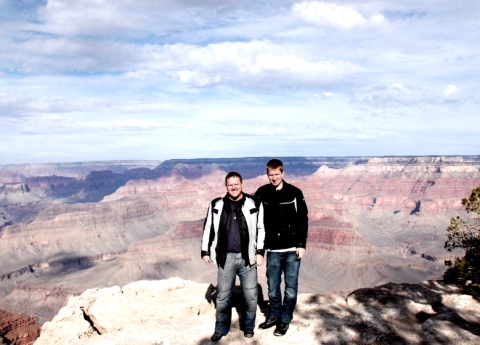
280 186
239 197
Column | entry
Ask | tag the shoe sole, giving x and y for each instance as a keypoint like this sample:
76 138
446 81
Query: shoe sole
278 334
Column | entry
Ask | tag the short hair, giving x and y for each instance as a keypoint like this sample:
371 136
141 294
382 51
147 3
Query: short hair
233 174
275 164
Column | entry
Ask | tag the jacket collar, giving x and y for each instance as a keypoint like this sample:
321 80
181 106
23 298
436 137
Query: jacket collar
241 201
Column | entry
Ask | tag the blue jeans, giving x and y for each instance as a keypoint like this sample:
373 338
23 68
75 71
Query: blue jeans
234 266
286 263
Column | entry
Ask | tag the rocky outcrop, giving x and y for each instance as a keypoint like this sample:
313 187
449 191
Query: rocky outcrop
18 329
26 190
176 311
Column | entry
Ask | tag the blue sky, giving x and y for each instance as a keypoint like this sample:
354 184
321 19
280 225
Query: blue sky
106 80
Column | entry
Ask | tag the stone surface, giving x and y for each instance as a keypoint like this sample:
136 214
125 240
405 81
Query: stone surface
176 311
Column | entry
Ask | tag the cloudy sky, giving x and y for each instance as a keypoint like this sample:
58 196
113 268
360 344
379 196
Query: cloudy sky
92 80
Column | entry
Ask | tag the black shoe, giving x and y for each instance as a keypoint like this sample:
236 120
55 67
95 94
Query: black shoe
268 323
248 333
216 336
281 329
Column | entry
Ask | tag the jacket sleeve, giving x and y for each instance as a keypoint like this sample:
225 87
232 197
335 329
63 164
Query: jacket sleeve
208 232
260 232
302 214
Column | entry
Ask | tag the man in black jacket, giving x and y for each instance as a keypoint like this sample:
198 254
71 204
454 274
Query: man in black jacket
286 227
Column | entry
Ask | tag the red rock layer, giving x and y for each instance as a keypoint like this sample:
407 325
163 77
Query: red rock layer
328 233
18 329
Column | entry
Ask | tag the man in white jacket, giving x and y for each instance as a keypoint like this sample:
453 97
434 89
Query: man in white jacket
233 238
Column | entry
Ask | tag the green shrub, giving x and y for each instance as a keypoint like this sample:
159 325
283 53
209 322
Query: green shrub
465 236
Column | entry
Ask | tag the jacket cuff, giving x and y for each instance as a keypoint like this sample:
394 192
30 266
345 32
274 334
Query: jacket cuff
205 253
260 252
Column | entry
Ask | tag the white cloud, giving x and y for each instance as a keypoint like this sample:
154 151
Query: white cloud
451 91
330 14
256 63
252 63
126 18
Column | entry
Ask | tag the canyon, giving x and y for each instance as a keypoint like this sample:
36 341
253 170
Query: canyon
67 228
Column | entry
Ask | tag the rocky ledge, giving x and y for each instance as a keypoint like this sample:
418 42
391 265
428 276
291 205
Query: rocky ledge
177 311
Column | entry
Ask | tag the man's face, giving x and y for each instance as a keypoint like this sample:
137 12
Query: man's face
234 188
275 176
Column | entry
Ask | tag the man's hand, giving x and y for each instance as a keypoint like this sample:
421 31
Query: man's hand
207 259
259 260
300 253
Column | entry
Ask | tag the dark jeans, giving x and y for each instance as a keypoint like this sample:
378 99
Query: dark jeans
234 266
286 263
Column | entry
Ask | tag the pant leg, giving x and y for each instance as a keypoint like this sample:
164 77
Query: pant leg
292 269
248 282
274 279
226 284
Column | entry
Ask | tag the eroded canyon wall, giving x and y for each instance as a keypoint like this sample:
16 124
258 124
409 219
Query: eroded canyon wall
372 221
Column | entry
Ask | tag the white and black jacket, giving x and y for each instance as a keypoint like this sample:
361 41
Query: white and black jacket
216 227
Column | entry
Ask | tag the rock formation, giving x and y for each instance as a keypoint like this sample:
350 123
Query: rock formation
18 329
176 311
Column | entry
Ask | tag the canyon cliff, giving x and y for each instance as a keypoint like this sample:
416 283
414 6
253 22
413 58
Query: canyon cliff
372 221
18 329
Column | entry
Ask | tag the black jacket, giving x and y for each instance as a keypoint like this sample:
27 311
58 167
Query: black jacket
285 216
